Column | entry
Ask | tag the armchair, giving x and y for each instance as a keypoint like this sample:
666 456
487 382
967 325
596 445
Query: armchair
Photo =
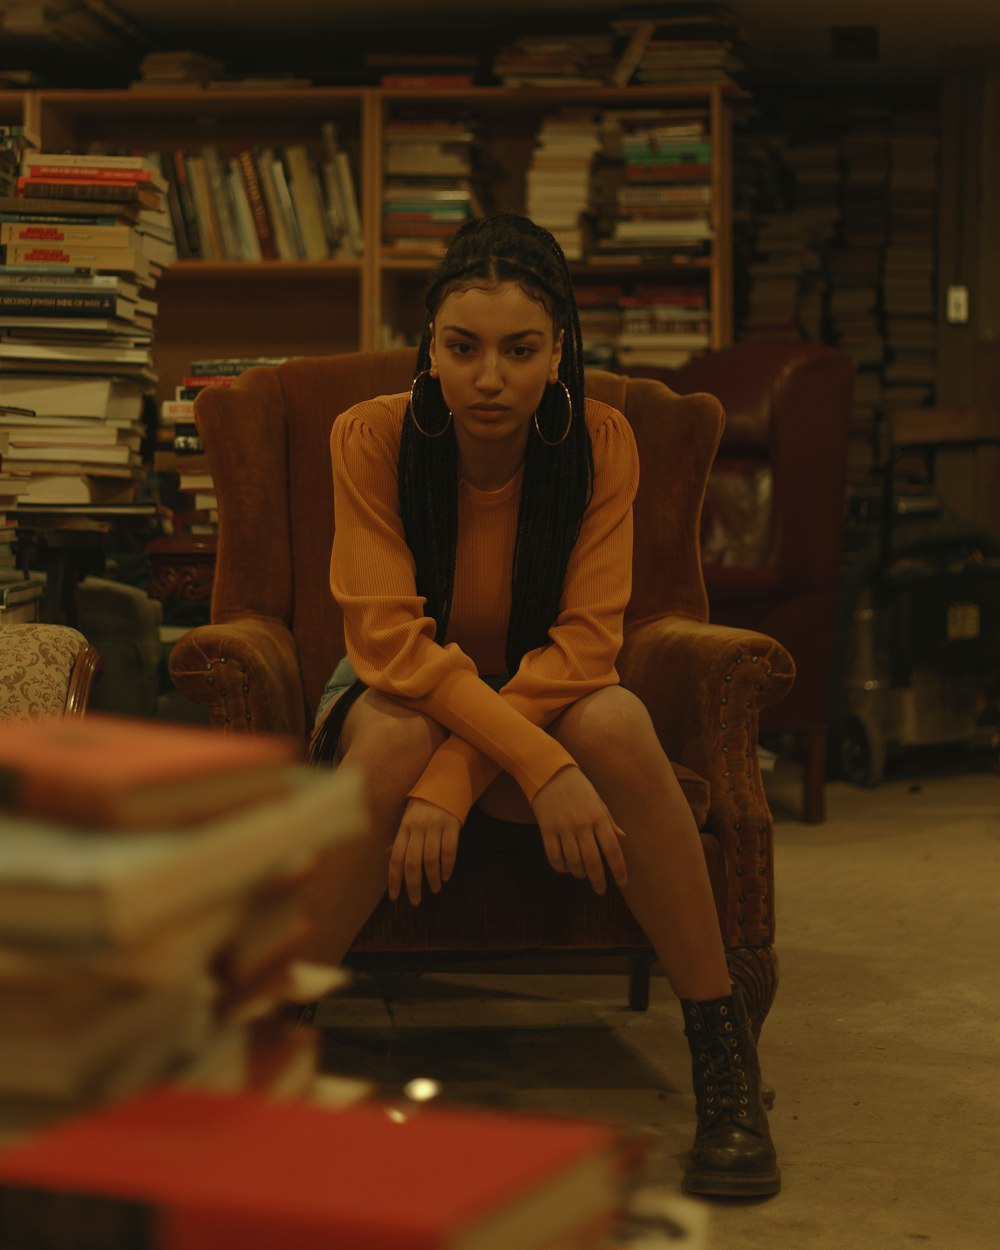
773 519
44 670
276 634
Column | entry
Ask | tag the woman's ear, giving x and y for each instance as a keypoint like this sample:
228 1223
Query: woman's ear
430 349
556 357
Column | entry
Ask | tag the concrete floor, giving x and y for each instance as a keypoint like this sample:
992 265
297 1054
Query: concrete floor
882 1043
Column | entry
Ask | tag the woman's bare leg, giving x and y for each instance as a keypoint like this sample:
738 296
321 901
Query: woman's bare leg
612 738
391 744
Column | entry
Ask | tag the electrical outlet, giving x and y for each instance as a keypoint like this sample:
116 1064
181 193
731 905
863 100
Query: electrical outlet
957 305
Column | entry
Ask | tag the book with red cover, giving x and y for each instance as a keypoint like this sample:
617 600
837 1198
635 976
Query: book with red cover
116 772
185 1169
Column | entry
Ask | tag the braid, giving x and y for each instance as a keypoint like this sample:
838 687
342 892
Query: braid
558 480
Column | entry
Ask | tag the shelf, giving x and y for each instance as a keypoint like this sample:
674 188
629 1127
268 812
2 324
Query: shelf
243 271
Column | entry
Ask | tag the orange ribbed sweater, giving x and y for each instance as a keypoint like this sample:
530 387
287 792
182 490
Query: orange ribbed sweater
390 640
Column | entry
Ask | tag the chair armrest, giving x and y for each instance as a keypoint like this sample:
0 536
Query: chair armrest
247 671
704 686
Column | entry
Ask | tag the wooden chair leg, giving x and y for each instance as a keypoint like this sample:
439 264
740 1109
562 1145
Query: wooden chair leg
813 751
638 980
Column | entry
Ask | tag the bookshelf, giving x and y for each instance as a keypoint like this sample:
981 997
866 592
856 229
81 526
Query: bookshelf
230 307
284 307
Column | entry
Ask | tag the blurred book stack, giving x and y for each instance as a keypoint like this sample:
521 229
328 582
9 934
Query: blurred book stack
151 915
677 43
185 488
908 279
84 241
662 160
558 180
424 71
663 326
430 184
815 166
258 202
599 305
19 592
177 68
559 60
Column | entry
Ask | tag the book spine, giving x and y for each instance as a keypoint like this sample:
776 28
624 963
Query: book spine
89 174
245 229
349 199
208 226
258 208
84 160
34 304
308 207
106 236
108 192
264 162
218 188
124 259
47 1219
186 198
286 207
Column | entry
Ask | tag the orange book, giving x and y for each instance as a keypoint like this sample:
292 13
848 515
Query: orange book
116 772
185 1169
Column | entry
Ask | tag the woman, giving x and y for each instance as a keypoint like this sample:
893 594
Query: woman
482 559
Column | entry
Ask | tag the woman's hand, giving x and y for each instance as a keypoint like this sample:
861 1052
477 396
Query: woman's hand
427 842
577 829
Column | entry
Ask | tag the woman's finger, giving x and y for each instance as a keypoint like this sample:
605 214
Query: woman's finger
593 864
413 869
553 851
449 851
397 857
609 841
432 859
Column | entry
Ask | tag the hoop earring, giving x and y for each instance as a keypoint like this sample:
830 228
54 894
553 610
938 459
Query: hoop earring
569 418
425 373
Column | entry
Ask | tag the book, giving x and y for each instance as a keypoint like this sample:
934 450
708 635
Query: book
127 260
209 229
109 772
59 208
59 308
187 1169
308 201
108 192
246 228
633 52
62 885
119 235
286 207
91 397
77 488
258 207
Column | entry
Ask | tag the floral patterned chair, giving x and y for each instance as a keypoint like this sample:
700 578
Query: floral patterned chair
44 670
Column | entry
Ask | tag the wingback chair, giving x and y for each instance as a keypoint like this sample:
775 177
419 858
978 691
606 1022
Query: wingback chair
276 633
773 518
45 670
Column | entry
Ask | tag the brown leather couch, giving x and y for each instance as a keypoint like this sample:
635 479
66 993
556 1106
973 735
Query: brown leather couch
773 518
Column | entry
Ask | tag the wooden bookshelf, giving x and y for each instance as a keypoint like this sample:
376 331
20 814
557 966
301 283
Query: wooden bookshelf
232 308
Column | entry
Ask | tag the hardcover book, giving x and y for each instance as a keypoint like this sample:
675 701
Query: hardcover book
184 1169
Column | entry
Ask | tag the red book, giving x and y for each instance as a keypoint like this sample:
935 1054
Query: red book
116 772
91 173
184 1169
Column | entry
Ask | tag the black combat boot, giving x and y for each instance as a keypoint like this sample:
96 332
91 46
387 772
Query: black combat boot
733 1155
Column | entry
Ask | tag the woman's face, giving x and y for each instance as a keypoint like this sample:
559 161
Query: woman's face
493 350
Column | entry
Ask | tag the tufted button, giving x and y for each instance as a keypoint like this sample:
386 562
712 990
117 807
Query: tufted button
246 688
210 680
725 698
753 659
737 824
728 677
725 749
243 668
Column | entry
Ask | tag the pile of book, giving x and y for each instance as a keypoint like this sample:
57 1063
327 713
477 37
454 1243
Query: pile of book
186 489
429 188
151 914
663 325
177 68
84 241
662 174
559 60
558 181
424 71
260 202
678 43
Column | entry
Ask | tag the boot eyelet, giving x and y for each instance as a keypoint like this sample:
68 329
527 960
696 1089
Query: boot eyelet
737 1059
729 1027
723 1011
744 1102
742 1115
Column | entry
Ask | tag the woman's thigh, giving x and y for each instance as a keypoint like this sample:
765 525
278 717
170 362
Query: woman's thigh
392 742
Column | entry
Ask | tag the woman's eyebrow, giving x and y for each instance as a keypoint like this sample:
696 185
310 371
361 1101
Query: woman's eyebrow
507 338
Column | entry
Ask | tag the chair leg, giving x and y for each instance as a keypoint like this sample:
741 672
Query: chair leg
638 981
813 750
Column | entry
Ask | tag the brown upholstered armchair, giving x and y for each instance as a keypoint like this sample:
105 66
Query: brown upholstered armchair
276 634
45 670
773 520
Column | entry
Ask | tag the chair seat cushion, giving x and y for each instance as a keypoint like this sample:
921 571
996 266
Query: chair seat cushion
36 663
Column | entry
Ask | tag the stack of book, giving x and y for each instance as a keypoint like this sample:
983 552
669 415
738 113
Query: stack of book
430 183
14 142
599 305
264 203
908 279
177 68
186 489
678 43
84 242
663 196
561 60
558 181
663 326
424 71
151 917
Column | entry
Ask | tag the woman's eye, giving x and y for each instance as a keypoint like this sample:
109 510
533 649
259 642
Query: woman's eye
522 351
460 348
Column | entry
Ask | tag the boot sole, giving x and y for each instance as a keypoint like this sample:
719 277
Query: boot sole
718 1185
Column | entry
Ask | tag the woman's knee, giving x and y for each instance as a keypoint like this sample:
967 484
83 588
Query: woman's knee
390 741
610 727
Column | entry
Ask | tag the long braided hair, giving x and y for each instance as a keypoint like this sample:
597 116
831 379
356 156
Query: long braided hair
558 480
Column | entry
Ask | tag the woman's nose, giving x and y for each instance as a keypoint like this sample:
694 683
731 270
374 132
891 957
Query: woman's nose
488 375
